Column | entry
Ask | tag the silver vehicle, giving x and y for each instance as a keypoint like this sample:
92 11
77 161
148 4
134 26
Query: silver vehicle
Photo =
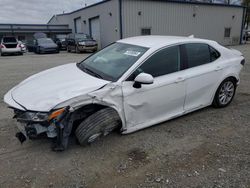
23 46
10 45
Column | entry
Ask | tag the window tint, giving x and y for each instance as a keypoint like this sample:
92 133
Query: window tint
113 61
163 62
9 39
197 54
214 54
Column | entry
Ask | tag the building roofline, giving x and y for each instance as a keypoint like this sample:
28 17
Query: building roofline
200 3
13 24
167 1
83 8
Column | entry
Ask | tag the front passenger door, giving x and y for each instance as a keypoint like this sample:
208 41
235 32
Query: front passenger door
161 100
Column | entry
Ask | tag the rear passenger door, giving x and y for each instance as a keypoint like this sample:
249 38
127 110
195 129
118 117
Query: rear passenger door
201 75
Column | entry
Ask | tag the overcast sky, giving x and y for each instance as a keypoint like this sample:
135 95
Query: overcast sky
37 11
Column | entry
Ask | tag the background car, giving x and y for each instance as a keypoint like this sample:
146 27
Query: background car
23 46
10 45
60 40
45 45
247 35
81 43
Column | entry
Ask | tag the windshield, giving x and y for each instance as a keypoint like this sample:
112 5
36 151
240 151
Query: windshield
9 39
45 41
61 36
113 61
82 37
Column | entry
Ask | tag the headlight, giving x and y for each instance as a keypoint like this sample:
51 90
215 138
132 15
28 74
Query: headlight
81 43
32 116
56 113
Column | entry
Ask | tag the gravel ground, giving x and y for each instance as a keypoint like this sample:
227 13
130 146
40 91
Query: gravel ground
207 148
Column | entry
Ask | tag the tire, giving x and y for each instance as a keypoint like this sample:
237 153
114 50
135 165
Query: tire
101 123
77 50
225 93
38 50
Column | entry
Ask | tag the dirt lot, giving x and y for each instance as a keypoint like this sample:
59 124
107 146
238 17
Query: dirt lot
208 148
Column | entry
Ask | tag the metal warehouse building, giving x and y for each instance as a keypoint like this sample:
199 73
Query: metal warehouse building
111 20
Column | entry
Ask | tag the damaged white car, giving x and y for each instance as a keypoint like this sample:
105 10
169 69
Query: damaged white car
130 85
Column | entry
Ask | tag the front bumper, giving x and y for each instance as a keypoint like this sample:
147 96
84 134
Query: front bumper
86 48
34 130
29 124
49 50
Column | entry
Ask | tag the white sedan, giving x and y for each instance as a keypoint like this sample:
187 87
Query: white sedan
131 84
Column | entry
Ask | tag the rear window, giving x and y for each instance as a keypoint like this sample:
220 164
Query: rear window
9 39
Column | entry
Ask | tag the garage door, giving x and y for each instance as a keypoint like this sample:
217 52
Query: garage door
95 30
78 25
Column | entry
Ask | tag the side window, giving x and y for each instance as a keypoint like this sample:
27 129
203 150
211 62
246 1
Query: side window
197 54
163 62
214 54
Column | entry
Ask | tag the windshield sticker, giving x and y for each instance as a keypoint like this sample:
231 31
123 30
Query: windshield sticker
132 53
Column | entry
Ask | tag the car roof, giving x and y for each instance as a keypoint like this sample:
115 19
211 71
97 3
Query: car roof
154 41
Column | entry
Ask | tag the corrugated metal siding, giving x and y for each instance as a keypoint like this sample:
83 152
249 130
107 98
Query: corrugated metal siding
109 25
166 18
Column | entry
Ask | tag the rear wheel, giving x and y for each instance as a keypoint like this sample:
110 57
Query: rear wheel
225 93
101 123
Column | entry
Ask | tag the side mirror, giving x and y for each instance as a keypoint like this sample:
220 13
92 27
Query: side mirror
143 78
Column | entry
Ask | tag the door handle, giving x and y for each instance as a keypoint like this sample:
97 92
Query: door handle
180 79
218 68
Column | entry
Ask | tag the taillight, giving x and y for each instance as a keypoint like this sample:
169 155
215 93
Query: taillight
2 46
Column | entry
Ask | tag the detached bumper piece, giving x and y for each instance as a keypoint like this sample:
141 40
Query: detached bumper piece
32 124
62 136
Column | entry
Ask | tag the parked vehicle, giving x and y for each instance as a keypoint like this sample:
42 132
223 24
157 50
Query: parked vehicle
130 85
45 45
81 43
246 35
10 45
22 46
30 45
60 40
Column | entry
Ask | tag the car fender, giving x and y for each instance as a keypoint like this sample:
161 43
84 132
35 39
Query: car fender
227 73
109 95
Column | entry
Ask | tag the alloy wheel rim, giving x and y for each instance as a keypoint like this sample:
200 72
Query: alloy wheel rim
226 92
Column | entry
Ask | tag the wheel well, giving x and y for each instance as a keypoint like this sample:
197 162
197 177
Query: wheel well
233 78
82 113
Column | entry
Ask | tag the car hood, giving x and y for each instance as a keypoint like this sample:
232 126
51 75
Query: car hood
48 45
43 91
